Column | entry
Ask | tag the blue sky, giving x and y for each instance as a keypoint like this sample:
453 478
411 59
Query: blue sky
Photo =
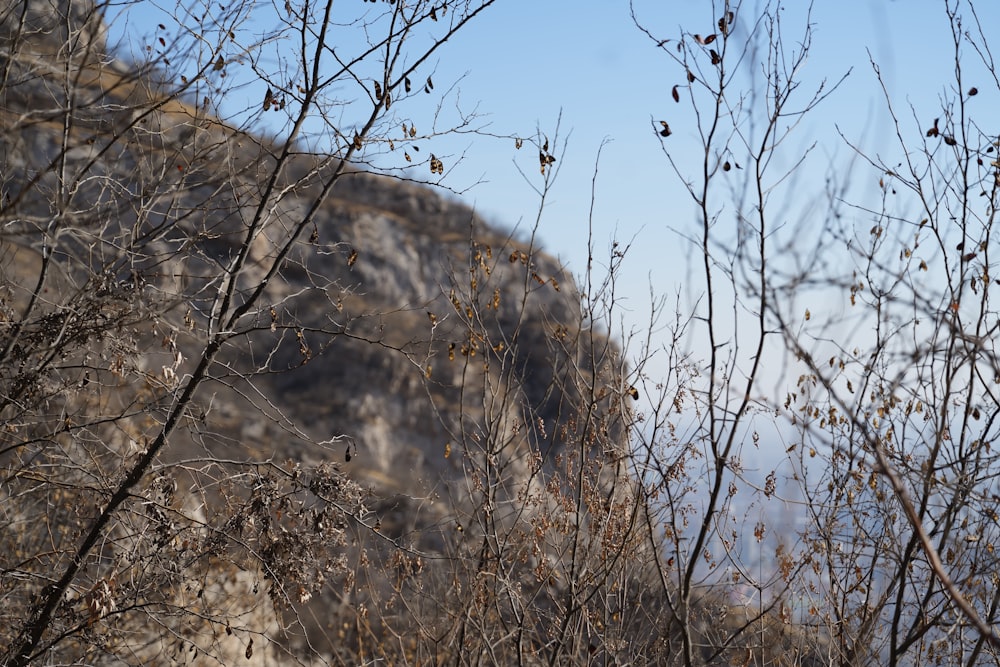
531 64
527 65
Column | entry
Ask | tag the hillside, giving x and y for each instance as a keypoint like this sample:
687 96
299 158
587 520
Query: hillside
232 362
368 287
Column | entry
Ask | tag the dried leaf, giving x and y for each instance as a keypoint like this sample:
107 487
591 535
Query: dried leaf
268 98
716 59
219 64
544 159
665 132
676 95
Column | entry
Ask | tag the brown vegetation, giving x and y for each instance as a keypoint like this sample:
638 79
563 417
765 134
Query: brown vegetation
258 403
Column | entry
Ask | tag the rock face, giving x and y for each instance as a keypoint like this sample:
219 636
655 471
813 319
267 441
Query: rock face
384 258
60 28
440 363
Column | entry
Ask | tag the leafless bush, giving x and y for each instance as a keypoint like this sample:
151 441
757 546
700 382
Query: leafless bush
148 244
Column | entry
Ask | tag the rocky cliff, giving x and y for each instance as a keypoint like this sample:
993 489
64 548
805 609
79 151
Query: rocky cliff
128 200
441 365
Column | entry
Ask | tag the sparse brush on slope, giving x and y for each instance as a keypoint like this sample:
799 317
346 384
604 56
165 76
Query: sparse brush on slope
209 343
